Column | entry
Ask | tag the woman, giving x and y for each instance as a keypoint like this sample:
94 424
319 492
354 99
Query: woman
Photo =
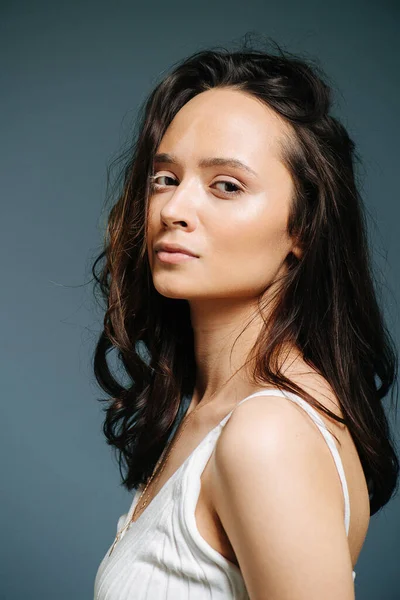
237 277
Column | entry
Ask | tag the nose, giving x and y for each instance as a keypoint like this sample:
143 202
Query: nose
180 207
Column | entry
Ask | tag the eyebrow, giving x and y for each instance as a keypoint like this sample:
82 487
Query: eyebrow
164 157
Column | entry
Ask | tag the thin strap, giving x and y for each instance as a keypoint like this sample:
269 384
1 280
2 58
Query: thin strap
325 432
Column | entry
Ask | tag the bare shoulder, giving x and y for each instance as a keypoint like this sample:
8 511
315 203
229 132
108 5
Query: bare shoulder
279 500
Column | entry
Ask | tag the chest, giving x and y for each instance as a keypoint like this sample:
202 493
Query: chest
207 520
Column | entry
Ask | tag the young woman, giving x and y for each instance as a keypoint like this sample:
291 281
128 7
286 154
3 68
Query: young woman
239 294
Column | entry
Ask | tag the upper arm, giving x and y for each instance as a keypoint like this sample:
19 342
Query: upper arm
278 496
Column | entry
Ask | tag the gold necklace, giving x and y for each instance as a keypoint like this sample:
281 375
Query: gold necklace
155 478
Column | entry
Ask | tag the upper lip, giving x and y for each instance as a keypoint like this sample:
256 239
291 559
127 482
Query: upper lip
173 248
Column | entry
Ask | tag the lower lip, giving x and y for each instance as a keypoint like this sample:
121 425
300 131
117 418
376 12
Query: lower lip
174 257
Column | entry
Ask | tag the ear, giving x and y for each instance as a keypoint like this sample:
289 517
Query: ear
297 251
296 246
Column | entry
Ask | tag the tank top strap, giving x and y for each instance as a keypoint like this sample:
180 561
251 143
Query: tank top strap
315 416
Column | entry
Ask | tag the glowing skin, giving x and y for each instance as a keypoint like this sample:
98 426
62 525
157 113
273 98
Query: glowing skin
257 505
240 238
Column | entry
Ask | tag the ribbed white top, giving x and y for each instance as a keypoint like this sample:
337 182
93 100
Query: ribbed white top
162 556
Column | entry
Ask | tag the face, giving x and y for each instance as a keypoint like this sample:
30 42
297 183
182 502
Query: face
233 217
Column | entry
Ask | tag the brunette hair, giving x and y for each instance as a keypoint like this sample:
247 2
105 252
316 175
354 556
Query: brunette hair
328 306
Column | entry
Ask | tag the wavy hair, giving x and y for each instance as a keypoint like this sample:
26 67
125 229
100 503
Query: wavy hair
328 300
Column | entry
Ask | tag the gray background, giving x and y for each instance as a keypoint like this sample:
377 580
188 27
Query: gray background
72 75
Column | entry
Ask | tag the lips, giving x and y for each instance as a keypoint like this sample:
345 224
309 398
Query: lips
174 257
175 251
174 248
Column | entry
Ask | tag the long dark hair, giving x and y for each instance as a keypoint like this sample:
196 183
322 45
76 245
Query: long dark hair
327 307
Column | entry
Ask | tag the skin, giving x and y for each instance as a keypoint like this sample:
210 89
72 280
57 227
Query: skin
283 525
241 240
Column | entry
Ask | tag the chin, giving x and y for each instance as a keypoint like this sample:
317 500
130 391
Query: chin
179 292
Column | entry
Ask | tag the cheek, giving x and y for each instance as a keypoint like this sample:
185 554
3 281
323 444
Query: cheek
248 255
152 228
262 234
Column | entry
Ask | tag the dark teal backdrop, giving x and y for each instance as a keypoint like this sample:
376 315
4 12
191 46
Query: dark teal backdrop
72 76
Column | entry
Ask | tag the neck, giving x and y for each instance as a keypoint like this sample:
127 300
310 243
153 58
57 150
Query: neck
225 332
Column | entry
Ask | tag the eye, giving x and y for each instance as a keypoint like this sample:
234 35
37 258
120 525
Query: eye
156 185
235 192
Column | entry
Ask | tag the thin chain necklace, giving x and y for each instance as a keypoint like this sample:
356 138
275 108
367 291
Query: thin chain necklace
156 475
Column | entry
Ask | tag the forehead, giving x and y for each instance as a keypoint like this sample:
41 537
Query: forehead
228 121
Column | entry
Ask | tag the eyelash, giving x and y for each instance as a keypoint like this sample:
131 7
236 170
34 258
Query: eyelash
157 186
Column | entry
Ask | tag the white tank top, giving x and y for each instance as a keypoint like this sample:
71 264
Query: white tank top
162 556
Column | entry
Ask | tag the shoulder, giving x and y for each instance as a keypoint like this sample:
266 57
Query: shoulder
266 428
279 499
